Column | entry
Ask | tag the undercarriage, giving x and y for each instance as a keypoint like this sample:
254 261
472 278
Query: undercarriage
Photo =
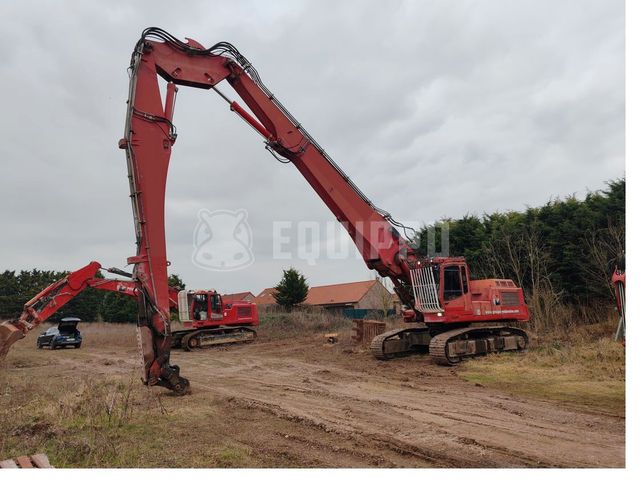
451 346
204 337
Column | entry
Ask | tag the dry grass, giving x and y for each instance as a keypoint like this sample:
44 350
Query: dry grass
76 423
281 324
113 422
101 334
549 314
583 367
108 420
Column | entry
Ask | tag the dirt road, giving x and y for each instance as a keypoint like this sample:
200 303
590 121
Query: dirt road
301 403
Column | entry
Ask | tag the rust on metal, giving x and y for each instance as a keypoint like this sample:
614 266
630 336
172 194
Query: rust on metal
9 334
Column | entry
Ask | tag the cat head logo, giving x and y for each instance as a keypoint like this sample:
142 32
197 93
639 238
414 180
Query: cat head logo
222 240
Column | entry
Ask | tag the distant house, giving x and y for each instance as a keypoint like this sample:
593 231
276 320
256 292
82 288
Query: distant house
363 296
238 297
265 297
370 295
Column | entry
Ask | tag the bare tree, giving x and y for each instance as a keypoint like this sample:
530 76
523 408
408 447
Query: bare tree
523 257
604 247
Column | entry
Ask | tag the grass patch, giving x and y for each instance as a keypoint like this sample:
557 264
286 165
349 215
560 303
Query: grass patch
78 424
232 456
584 369
81 421
280 325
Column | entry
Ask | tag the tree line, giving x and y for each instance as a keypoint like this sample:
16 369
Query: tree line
561 253
17 288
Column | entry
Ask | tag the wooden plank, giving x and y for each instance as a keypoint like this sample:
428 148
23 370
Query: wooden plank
24 462
40 460
370 330
8 464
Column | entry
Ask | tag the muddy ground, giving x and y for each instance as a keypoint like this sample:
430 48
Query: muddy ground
298 402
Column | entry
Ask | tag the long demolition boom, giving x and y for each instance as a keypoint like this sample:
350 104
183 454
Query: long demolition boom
149 137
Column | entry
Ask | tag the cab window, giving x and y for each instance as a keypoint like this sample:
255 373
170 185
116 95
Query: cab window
215 303
200 307
463 273
452 283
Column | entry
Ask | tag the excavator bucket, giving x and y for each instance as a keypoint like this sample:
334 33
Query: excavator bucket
9 334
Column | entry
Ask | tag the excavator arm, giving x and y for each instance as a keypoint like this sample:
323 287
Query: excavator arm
619 281
47 302
373 230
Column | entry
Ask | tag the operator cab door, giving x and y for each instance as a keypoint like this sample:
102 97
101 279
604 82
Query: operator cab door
455 290
215 303
199 307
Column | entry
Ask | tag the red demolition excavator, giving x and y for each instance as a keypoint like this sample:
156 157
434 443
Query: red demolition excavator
449 314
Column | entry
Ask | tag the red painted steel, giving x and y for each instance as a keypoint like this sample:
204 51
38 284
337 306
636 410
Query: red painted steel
148 141
148 138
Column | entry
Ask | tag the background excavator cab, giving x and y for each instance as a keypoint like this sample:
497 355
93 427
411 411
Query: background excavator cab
199 306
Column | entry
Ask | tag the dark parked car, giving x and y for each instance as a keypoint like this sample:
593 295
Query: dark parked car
66 334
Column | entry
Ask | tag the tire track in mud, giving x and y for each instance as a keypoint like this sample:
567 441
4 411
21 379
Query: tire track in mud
477 424
393 410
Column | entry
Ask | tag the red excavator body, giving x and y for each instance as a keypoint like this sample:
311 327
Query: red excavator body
463 300
210 321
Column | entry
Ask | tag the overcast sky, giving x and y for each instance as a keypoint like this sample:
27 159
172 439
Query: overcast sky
434 108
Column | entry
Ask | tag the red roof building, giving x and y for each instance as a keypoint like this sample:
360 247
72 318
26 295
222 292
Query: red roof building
238 297
368 294
265 297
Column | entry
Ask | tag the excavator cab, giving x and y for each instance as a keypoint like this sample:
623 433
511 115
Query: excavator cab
454 285
199 306
444 293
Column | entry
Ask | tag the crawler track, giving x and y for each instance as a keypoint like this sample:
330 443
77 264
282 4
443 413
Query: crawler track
190 340
400 342
450 347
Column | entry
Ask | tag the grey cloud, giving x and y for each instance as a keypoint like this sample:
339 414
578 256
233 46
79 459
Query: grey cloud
433 108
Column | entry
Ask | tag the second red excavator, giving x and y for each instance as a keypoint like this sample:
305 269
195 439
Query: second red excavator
206 318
